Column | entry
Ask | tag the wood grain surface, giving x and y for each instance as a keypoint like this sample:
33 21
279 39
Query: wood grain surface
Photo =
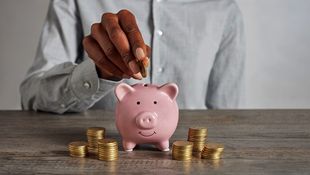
256 142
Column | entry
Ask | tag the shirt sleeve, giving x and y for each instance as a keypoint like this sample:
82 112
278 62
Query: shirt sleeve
226 82
60 80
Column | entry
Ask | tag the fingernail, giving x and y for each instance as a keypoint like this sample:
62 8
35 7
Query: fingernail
140 53
133 66
137 76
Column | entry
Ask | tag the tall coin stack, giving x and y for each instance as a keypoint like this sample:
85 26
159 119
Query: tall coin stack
198 136
107 149
93 135
182 150
78 149
212 151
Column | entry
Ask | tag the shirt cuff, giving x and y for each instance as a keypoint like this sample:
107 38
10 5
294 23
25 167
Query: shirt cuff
86 84
107 85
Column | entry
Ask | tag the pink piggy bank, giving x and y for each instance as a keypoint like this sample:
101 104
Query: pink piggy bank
146 113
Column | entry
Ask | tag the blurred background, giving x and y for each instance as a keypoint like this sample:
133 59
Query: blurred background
278 52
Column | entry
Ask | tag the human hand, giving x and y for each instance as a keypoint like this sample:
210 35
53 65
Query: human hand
115 45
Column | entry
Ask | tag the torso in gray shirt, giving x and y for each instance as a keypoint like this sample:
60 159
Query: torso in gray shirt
198 44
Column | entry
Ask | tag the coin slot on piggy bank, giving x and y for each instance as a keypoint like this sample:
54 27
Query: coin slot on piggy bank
146 114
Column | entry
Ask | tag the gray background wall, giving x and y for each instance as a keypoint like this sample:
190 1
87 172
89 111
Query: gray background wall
278 53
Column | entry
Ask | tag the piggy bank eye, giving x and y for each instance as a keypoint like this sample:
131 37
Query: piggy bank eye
138 102
155 102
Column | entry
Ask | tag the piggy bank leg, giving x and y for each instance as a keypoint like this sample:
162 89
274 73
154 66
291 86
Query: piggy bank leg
128 146
163 146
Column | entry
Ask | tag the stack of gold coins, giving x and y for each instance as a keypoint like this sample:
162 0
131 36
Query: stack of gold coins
107 149
212 151
78 149
182 150
198 136
94 134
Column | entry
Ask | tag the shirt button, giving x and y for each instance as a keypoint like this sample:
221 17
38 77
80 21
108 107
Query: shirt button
160 69
86 85
160 32
63 105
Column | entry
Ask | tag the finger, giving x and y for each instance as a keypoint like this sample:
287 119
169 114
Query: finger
117 36
101 36
97 55
129 25
104 74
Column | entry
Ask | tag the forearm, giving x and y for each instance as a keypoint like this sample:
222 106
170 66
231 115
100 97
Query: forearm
64 88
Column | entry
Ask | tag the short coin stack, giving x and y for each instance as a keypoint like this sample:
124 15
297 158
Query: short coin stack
198 136
93 135
78 149
182 150
107 149
212 151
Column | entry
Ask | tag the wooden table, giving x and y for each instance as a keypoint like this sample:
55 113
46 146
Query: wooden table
256 142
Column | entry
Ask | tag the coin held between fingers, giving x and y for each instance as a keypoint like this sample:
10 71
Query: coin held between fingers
142 68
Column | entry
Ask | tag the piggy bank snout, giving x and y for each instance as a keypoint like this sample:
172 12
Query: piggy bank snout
146 120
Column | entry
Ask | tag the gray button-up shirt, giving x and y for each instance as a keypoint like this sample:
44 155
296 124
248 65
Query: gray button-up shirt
198 44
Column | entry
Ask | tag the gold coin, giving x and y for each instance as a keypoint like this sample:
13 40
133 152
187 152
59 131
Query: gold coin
191 136
78 144
182 150
197 135
198 149
110 146
198 130
107 149
77 149
106 142
182 154
142 69
96 131
182 143
212 151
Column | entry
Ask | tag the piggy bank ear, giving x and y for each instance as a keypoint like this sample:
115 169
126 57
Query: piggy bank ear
122 89
170 89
